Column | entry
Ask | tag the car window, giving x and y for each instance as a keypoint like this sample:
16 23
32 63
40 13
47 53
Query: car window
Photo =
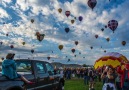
49 67
23 66
40 67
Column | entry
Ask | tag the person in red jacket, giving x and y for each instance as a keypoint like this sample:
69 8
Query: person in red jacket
124 76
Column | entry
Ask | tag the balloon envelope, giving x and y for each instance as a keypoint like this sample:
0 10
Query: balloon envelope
60 47
92 3
112 24
112 59
67 13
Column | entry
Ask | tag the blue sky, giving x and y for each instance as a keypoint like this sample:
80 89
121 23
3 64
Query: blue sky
16 14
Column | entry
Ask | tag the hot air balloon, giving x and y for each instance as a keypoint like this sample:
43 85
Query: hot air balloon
112 24
68 60
32 51
2 58
91 47
96 36
48 58
7 34
1 43
102 29
76 42
108 39
60 47
40 37
79 52
80 18
37 33
75 18
92 3
32 20
59 10
73 50
105 26
112 59
123 43
75 55
11 46
72 21
67 13
23 43
83 57
105 51
66 30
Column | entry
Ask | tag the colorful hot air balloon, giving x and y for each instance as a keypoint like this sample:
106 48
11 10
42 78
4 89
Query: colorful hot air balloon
92 3
23 43
80 18
72 21
102 29
32 20
32 51
112 59
66 30
108 39
96 36
73 50
40 37
11 46
112 24
37 33
76 42
67 13
59 10
48 58
60 47
123 43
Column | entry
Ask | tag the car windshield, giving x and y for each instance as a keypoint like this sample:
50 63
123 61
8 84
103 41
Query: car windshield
23 66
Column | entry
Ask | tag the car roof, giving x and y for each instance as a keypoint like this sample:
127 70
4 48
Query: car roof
30 60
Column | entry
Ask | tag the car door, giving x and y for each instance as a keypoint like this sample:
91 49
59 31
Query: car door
54 79
42 77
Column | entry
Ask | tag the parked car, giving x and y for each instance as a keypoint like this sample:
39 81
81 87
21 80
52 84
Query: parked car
38 71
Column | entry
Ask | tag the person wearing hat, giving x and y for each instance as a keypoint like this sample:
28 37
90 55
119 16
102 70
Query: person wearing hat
9 69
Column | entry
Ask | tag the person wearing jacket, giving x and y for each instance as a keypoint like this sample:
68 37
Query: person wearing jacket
124 76
9 69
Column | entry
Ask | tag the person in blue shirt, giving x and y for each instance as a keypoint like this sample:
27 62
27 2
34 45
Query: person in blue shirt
9 69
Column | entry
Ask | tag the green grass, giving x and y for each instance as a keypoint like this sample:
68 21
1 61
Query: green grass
78 84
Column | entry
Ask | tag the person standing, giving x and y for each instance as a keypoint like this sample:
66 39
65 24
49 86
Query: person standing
86 78
124 76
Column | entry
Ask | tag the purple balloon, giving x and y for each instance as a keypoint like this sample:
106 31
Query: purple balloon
80 18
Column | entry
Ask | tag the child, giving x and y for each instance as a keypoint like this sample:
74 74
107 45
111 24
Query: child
9 69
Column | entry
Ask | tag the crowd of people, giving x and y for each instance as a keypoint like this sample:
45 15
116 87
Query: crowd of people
112 78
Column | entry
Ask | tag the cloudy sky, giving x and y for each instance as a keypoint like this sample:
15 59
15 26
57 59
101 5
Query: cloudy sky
15 21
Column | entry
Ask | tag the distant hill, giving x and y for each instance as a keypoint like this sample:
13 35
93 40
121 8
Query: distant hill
58 65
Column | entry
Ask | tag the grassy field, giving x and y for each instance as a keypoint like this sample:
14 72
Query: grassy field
78 84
